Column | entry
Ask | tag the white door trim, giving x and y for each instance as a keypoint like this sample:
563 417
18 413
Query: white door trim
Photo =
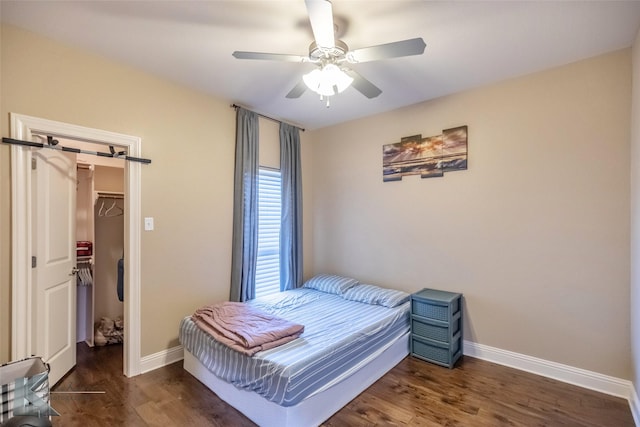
22 128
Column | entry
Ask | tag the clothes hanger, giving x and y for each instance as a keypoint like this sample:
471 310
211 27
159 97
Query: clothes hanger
84 273
114 206
100 210
121 211
87 275
106 213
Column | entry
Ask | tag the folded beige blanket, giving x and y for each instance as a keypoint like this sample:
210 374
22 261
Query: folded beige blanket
245 328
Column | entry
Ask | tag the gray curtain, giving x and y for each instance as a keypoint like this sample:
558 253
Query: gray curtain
245 208
291 226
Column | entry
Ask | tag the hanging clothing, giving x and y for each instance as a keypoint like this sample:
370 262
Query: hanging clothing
121 279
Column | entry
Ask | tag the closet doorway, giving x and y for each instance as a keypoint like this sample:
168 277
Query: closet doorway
24 336
100 248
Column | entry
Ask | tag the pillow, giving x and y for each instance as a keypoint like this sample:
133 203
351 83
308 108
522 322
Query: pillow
371 294
330 283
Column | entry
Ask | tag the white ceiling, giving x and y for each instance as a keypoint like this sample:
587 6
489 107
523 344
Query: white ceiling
469 44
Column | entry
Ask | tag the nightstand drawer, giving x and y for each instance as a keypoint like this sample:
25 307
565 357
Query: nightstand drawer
425 304
432 352
439 331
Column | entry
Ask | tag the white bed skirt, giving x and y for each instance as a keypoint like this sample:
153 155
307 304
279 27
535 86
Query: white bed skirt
313 410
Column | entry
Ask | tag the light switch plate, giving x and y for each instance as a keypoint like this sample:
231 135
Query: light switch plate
148 223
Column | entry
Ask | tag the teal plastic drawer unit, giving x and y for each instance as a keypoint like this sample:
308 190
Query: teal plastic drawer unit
436 326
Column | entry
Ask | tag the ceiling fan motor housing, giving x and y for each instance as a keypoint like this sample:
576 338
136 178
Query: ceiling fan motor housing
337 52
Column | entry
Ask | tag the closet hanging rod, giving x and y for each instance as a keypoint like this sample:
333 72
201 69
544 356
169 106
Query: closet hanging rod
109 195
53 145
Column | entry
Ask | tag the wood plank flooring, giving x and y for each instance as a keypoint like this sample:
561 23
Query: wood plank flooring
415 393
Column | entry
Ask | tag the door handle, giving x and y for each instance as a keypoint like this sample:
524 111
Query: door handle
74 271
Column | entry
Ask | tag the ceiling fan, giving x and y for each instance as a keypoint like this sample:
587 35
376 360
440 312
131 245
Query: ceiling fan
333 57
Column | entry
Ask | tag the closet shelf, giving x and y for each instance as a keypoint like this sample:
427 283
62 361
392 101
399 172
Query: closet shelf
108 195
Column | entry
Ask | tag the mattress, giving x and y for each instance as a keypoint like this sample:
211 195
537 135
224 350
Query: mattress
339 335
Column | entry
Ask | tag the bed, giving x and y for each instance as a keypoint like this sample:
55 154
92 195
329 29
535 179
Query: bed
354 333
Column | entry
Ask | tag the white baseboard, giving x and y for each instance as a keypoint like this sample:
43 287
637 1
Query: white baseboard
568 374
161 358
634 402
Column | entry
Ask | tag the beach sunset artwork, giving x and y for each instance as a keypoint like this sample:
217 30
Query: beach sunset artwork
428 157
454 150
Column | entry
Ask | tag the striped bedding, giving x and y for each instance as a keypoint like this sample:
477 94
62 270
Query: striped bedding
339 335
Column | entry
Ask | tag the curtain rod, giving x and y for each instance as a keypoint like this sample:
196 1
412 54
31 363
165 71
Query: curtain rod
267 117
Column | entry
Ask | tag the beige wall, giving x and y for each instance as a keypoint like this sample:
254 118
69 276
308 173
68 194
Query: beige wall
635 217
5 231
188 188
535 233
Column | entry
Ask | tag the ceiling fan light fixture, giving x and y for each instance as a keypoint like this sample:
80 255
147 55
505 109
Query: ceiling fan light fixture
328 81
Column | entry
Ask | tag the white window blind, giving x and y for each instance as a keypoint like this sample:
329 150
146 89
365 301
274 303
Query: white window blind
269 207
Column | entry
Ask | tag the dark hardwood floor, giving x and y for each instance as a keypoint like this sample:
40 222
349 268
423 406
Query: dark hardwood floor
416 393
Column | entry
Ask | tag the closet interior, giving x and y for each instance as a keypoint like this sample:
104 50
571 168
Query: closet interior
100 251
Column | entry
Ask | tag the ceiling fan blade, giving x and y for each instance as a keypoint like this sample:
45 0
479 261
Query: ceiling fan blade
389 50
321 19
297 90
270 56
363 85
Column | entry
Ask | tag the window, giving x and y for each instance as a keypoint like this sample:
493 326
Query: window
269 209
